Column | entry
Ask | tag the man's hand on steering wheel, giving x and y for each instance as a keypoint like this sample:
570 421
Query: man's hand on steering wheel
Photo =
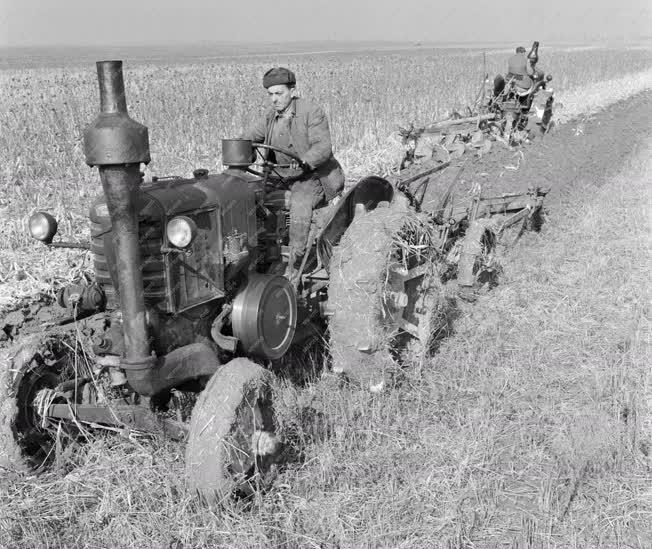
268 166
299 165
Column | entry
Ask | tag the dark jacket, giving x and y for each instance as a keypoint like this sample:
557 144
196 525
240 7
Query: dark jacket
310 139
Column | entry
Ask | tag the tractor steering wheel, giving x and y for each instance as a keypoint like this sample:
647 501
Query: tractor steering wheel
268 172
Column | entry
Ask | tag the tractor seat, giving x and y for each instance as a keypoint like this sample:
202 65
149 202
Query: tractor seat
522 92
520 85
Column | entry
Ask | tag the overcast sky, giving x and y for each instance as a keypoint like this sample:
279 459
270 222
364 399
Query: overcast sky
123 22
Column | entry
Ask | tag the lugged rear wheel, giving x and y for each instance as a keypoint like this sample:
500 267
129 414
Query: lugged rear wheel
380 274
232 440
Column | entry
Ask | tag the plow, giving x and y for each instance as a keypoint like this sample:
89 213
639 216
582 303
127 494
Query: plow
187 297
506 113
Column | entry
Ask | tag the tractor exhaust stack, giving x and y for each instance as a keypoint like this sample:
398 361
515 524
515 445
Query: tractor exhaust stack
118 145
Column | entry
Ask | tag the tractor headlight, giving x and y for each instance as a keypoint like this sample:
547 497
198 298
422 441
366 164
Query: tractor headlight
42 226
181 231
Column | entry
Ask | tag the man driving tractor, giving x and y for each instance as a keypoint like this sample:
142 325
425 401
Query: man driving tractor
521 70
301 127
518 70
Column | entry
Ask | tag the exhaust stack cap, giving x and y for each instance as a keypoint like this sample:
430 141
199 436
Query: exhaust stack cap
113 138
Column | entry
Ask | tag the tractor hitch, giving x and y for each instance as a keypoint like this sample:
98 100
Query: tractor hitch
118 416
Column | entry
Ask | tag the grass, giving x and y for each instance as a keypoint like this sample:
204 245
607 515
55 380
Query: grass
190 107
502 439
529 428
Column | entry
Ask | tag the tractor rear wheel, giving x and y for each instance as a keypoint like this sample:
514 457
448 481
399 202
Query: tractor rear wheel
379 274
232 439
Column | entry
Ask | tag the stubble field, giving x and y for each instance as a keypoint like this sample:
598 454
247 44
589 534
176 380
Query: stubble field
189 108
529 428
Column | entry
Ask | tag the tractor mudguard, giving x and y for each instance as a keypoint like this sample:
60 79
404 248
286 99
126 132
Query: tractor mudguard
369 191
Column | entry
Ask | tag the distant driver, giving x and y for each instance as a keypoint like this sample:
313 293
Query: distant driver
518 70
519 74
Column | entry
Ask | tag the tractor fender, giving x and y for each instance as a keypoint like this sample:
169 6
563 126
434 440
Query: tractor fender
369 191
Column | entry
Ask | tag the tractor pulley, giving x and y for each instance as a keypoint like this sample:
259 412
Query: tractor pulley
264 316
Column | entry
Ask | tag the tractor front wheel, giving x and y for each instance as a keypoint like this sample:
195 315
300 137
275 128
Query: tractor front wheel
29 373
232 440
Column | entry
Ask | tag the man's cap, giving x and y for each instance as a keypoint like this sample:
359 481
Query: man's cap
279 75
520 49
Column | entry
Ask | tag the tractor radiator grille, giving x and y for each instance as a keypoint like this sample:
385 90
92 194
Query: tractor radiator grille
104 262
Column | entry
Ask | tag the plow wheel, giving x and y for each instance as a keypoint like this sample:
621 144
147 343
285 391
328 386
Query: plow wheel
477 262
425 317
232 439
511 234
29 373
509 231
382 282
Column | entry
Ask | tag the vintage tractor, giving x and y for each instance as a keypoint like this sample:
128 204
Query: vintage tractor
523 112
186 298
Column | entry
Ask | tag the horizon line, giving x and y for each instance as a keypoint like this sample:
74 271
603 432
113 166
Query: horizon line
259 44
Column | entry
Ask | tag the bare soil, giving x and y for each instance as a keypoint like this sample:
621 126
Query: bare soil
590 149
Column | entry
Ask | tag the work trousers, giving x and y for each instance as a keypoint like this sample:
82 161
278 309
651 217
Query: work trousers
305 196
